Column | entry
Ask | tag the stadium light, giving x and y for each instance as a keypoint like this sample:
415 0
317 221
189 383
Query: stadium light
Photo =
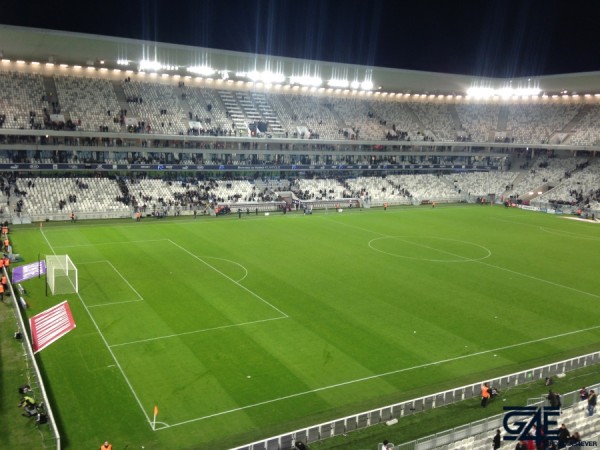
505 92
122 62
152 66
205 71
355 84
270 77
366 85
35 63
338 83
306 80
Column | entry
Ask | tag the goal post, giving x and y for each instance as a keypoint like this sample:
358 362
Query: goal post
61 275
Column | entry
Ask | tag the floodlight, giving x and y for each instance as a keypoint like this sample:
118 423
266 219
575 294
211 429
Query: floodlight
146 64
338 83
306 80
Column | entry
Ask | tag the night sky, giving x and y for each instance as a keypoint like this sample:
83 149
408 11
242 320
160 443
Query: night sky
509 38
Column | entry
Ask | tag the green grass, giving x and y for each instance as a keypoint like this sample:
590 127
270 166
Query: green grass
241 329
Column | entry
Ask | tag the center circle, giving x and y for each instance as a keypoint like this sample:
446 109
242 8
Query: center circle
430 248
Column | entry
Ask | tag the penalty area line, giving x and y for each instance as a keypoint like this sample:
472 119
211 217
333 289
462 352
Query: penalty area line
203 330
254 294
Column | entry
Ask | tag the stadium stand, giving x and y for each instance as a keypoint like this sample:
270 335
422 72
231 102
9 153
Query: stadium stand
157 107
22 100
89 103
95 123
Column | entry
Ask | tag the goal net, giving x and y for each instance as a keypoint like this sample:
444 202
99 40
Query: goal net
61 274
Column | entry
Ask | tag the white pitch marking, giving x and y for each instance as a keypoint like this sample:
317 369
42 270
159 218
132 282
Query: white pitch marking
408 241
110 243
254 294
381 375
203 330
118 365
541 280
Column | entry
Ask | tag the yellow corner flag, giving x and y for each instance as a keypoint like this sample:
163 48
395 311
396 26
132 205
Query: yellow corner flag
156 410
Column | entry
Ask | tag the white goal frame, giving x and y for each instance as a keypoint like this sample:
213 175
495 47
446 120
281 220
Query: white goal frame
61 275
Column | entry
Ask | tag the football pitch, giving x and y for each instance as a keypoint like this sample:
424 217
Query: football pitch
239 329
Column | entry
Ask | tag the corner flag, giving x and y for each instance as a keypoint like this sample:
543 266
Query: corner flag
155 414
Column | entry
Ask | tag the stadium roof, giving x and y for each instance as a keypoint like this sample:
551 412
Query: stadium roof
59 47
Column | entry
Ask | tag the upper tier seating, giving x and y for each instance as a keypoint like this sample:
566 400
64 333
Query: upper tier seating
20 95
89 100
157 105
164 107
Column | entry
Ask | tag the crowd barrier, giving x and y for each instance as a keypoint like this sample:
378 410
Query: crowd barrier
366 419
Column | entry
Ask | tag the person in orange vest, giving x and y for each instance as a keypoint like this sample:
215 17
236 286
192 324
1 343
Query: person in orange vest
385 206
6 261
106 446
4 230
6 244
3 281
1 293
138 216
485 394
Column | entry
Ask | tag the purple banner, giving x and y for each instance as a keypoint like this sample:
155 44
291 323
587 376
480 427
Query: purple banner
28 271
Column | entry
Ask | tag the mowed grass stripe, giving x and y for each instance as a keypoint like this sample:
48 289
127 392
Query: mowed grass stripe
349 343
207 297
